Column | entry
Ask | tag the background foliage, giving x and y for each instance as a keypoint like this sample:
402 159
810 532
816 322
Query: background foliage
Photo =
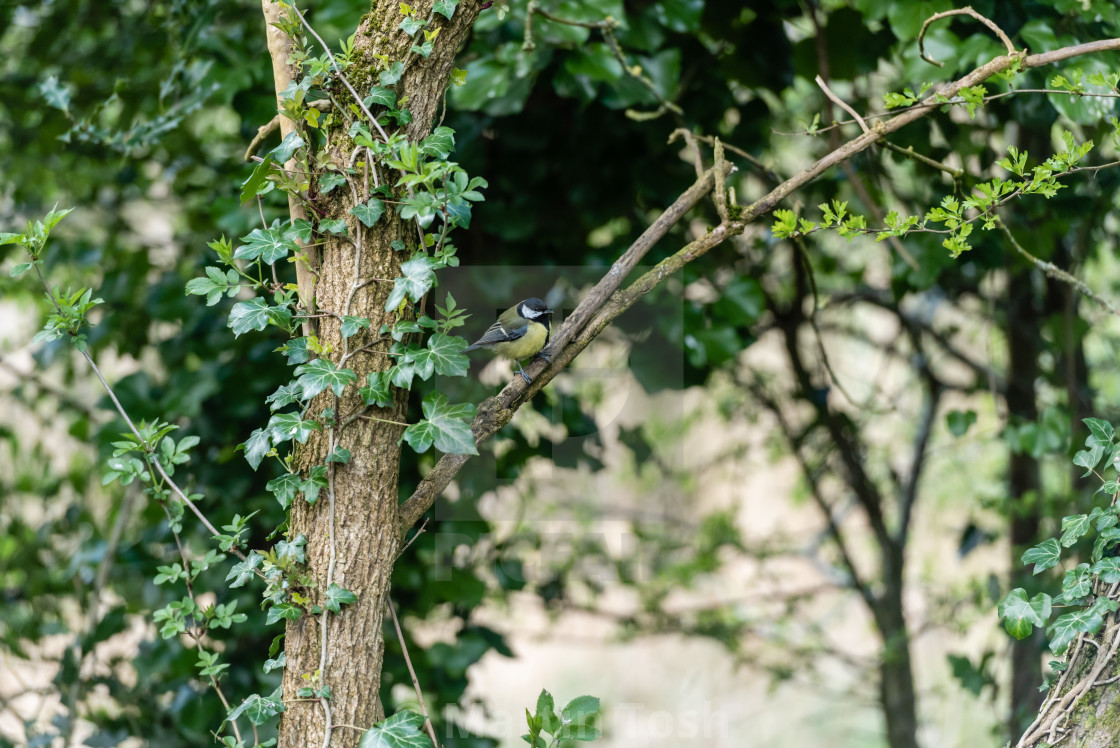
139 116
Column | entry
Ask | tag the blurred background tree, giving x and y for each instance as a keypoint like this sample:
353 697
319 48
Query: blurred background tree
824 456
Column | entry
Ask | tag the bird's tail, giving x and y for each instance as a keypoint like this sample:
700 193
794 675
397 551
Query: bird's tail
470 348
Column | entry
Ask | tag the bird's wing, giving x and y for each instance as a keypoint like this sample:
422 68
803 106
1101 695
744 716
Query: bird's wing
498 334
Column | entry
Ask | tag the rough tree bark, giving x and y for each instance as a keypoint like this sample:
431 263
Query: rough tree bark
362 513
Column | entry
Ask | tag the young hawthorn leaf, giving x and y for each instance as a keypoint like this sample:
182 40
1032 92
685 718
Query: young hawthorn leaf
579 709
1020 615
402 730
55 93
22 268
340 455
369 212
286 426
253 314
214 285
337 597
1044 555
445 8
377 390
256 447
318 375
285 488
330 180
351 325
416 278
546 713
445 425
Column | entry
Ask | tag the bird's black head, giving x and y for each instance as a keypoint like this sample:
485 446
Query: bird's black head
533 308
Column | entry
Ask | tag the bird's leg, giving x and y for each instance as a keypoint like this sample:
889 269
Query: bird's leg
545 356
523 374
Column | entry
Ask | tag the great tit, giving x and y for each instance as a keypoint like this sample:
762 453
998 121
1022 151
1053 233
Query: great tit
520 332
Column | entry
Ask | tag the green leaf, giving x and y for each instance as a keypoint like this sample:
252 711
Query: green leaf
1105 540
411 24
287 148
369 212
445 8
959 421
285 488
416 278
337 597
1020 616
214 285
546 713
1078 583
20 269
392 75
257 179
377 390
1044 555
402 730
1066 628
439 144
579 709
444 353
56 94
320 374
1101 430
249 315
382 96
268 245
446 426
1073 527
259 709
334 226
294 551
351 325
242 572
1108 569
340 455
256 447
286 426
330 180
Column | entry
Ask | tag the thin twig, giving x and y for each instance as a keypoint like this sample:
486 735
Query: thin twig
412 672
965 11
841 103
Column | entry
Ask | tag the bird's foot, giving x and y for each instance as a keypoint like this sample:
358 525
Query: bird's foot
521 371
545 356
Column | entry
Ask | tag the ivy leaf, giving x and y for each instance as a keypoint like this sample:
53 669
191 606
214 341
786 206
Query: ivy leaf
351 325
283 612
296 350
340 455
256 447
439 144
300 229
321 374
285 394
316 481
1073 527
424 50
392 75
286 426
402 730
287 148
292 551
1108 569
445 354
382 96
411 24
1044 555
1101 430
337 597
1020 615
445 8
334 226
1066 628
330 180
377 390
1078 583
248 315
446 426
242 572
369 212
416 278
256 180
285 488
259 709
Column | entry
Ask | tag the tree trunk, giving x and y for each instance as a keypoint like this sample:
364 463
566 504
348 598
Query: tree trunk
1023 486
361 515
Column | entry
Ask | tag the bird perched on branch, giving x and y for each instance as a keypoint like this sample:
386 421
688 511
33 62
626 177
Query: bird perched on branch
520 332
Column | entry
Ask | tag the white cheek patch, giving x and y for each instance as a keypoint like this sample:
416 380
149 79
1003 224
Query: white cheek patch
528 313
